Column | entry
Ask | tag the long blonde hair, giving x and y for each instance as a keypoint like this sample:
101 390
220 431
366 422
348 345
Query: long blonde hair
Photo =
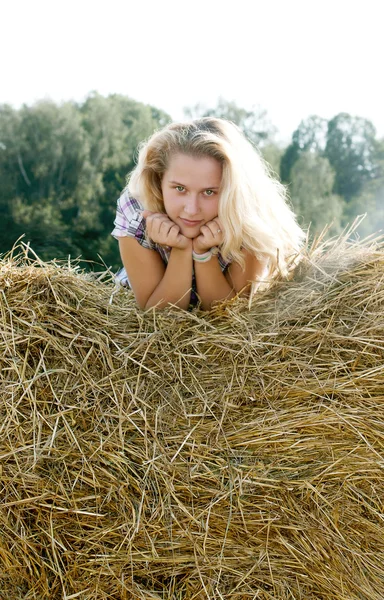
253 205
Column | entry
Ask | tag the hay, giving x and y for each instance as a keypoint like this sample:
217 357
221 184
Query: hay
237 454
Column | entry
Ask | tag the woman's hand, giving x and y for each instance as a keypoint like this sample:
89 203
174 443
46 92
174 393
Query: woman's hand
210 235
163 231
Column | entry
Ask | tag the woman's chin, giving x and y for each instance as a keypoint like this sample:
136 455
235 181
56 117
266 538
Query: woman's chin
190 235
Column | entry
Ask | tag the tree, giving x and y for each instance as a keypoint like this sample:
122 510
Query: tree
254 123
47 176
370 201
115 127
273 153
9 167
312 181
350 149
310 135
356 157
62 168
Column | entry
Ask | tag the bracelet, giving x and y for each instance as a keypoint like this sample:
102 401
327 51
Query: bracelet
206 256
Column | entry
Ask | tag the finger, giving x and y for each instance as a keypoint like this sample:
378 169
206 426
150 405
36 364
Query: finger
215 227
173 233
206 231
147 213
165 227
154 222
218 226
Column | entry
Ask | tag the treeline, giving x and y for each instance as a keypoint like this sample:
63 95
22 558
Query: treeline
62 168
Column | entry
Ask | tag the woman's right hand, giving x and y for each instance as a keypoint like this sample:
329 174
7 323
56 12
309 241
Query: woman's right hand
165 232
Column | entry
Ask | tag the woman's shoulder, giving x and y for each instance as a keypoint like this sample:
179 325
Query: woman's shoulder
128 205
129 221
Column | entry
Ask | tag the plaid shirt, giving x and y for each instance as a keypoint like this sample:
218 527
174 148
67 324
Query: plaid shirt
129 222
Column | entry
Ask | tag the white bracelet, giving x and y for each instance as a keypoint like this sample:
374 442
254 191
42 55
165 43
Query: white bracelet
206 256
202 257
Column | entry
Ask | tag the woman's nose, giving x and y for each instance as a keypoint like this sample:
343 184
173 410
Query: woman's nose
191 205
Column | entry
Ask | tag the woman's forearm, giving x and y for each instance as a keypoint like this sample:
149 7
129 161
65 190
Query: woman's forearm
211 283
174 288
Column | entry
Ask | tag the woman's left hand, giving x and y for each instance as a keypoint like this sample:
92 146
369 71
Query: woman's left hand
210 235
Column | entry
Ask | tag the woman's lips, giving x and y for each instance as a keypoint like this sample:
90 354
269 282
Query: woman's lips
189 223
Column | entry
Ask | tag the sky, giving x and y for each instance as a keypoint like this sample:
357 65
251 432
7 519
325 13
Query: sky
291 58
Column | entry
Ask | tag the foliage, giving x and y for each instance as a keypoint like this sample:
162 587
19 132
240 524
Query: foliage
273 153
311 192
310 135
254 123
370 201
350 147
63 166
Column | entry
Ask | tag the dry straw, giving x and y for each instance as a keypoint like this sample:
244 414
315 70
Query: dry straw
171 455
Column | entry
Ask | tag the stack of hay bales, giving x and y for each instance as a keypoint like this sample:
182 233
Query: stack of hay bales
171 455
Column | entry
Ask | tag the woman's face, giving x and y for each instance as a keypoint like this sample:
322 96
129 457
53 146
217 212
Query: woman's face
190 188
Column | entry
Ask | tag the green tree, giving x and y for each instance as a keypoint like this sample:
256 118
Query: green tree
356 158
62 168
311 134
351 149
9 168
370 201
49 179
115 126
273 153
312 181
254 123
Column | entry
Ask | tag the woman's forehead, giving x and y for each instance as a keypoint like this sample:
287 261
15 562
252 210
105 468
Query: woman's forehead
202 169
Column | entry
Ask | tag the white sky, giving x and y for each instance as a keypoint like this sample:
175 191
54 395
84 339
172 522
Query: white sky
293 58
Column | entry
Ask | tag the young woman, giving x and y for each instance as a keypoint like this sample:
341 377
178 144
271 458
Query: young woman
202 218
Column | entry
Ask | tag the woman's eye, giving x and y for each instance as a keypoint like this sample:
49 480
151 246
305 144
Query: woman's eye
180 188
209 192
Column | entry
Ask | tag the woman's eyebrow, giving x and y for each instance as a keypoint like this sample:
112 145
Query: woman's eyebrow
208 187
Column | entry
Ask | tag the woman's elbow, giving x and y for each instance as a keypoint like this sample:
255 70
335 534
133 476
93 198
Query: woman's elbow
151 303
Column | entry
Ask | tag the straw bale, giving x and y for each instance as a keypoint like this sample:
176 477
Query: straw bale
172 455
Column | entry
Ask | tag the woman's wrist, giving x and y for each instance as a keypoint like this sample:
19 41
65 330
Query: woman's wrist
186 247
204 256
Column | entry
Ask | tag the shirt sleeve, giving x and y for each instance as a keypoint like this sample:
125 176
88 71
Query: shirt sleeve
129 221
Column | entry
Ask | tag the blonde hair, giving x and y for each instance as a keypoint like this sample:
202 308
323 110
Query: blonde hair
253 207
